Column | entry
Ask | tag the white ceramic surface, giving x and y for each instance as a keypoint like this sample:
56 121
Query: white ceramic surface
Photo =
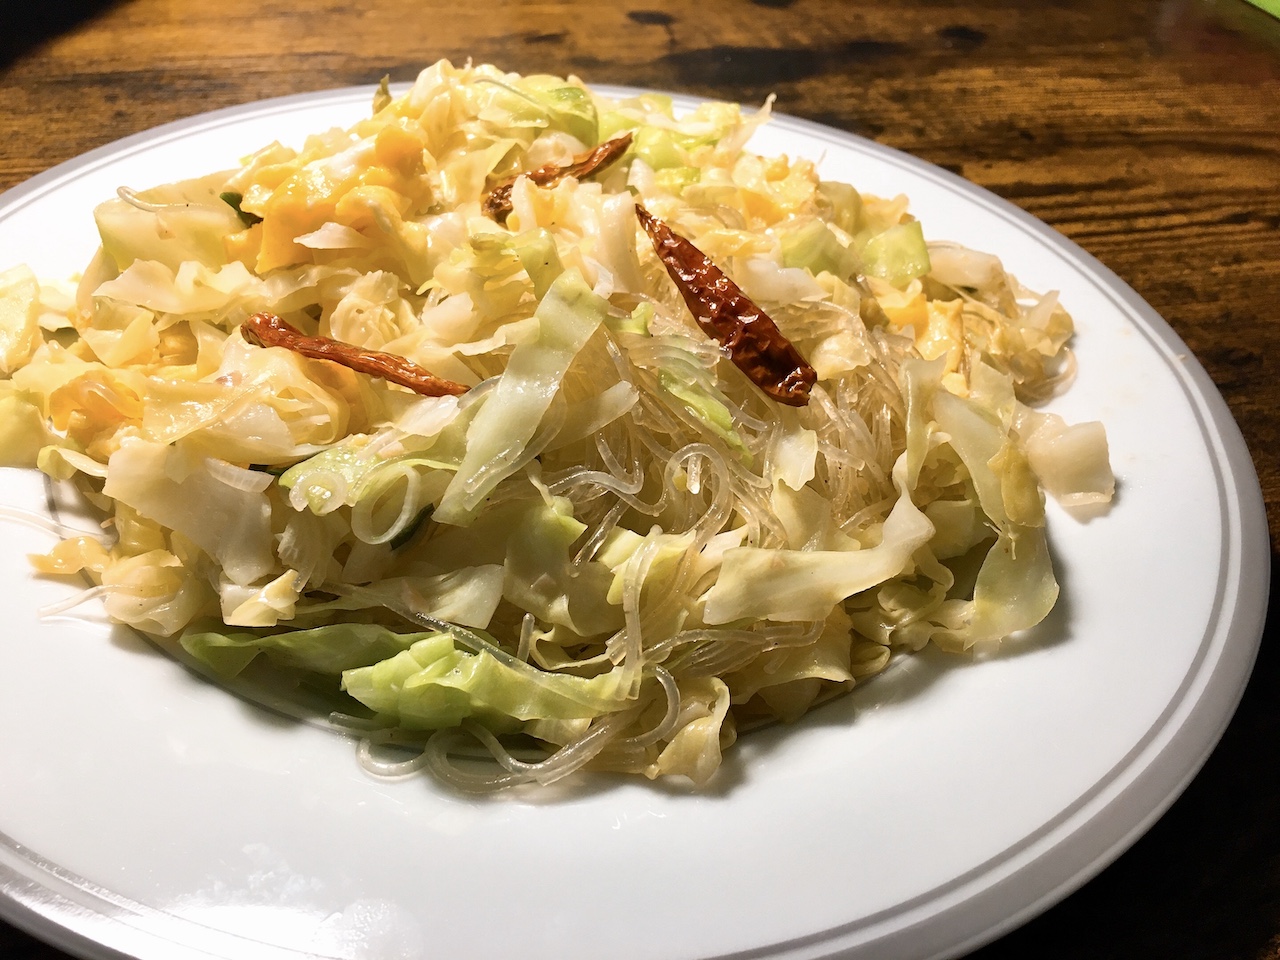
145 811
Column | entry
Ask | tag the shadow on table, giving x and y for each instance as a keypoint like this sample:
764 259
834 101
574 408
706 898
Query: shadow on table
23 26
1230 41
16 944
1202 884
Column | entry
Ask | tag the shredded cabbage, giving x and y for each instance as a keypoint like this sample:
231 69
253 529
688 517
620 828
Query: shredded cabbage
614 551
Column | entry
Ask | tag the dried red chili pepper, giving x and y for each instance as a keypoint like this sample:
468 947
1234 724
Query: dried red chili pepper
727 315
268 330
497 204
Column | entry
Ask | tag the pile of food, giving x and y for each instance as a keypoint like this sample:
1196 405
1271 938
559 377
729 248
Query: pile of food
555 426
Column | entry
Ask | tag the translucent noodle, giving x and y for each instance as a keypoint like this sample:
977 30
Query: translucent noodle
616 546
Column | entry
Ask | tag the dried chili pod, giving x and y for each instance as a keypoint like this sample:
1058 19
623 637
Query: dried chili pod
268 330
497 203
727 315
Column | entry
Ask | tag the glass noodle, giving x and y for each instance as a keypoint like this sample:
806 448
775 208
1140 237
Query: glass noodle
614 550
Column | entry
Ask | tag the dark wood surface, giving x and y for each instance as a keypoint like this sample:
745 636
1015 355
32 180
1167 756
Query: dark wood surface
1148 132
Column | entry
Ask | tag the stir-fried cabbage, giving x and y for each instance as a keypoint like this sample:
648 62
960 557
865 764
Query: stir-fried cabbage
614 550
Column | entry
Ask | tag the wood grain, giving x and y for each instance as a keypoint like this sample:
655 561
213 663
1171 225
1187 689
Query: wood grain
1148 132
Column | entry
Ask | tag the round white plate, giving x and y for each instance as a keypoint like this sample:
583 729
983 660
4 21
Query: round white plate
147 811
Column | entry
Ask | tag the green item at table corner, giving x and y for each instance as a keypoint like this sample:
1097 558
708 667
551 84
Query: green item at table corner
1270 6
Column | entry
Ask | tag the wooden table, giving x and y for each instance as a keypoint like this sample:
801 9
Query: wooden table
1148 132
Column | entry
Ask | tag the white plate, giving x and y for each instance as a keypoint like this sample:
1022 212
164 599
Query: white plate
146 811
